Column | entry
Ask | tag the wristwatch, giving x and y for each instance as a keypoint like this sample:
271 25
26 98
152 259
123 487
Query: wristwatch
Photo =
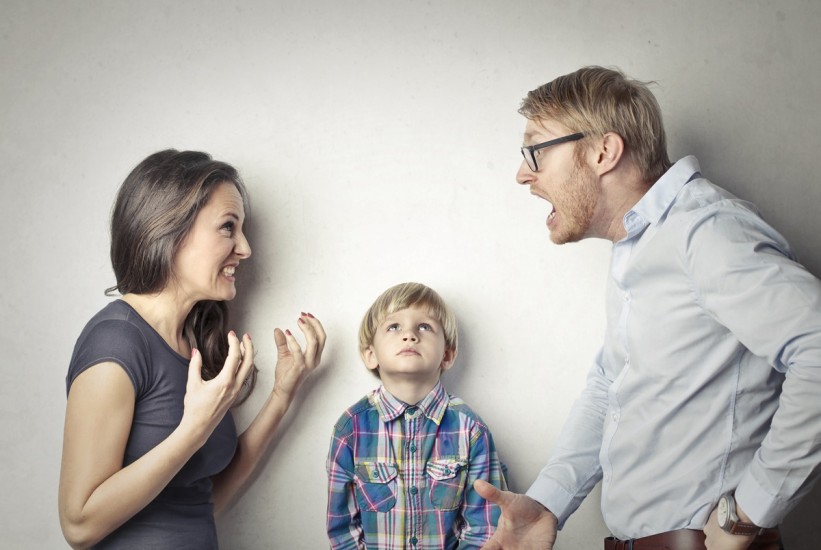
728 518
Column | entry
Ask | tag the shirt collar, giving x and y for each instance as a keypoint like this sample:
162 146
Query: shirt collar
658 199
432 406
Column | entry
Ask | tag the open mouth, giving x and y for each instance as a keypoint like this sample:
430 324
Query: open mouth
228 271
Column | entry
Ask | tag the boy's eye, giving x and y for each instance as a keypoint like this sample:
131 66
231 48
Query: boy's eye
425 326
393 327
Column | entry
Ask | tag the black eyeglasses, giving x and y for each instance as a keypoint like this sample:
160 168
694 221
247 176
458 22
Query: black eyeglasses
529 151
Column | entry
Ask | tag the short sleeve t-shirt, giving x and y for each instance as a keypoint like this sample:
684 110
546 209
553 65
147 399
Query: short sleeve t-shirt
182 514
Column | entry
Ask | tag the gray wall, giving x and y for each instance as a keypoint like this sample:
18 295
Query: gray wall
379 141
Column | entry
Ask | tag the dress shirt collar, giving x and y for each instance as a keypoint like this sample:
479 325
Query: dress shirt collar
658 199
433 405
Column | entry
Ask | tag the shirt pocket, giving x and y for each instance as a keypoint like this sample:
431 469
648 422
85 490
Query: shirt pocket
447 482
375 486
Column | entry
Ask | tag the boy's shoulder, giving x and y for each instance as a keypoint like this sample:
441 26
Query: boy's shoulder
457 405
347 418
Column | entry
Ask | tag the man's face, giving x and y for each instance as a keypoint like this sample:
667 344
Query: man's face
567 183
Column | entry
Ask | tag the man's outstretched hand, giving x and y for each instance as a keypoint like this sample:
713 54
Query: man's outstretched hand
524 524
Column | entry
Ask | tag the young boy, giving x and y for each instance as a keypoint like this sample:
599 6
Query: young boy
404 458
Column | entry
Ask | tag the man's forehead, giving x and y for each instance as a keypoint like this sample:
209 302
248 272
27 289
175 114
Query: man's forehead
539 128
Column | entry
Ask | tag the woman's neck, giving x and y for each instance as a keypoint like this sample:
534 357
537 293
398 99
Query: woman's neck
165 315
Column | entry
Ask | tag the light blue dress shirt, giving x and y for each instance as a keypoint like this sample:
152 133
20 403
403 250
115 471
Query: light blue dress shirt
709 378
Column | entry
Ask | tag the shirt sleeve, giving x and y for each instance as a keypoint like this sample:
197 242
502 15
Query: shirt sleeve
116 341
573 469
746 278
343 519
479 516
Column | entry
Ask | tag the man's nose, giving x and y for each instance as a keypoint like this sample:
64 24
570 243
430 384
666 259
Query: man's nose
525 175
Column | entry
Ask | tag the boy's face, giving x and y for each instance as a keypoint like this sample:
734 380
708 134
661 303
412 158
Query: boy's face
409 345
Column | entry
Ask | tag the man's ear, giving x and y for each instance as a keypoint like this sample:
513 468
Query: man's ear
608 151
448 359
369 358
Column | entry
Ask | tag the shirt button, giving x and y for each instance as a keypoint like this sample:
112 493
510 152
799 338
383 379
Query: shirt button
414 540
412 448
626 297
413 490
411 410
615 417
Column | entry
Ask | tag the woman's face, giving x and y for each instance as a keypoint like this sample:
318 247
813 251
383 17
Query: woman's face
204 267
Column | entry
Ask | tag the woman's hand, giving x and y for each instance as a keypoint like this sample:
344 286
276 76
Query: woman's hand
207 401
294 364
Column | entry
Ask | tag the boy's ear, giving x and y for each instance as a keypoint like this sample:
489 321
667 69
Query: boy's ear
448 359
369 358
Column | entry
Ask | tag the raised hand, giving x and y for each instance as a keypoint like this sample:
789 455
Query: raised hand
524 523
207 401
294 363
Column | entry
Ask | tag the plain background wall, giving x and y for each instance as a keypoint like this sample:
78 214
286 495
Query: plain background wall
379 142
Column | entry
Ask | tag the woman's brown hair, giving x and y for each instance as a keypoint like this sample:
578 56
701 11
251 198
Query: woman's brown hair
154 211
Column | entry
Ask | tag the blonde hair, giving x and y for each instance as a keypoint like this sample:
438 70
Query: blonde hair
403 296
596 100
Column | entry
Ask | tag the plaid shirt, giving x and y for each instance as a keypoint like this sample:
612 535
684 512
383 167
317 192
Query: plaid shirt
401 476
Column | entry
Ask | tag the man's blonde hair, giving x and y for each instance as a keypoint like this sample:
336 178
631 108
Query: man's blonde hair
596 100
403 296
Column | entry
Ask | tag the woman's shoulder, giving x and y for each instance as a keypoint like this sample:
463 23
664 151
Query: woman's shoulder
114 334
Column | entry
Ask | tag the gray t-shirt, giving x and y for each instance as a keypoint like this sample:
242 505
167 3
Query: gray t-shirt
182 514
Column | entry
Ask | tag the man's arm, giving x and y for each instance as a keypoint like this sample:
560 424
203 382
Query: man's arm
772 305
574 469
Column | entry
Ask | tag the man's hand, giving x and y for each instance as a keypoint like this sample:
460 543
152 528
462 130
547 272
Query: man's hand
524 524
718 539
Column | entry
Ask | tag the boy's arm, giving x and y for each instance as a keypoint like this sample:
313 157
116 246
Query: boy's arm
480 516
343 520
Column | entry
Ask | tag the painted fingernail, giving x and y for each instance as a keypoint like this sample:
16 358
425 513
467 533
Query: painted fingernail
300 320
194 352
302 313
288 332
310 315
232 333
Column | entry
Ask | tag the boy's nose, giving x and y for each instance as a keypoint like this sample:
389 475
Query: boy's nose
409 336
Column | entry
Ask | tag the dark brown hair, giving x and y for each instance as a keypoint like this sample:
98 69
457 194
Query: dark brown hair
154 211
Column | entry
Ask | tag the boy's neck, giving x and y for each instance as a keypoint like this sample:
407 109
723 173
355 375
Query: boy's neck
408 390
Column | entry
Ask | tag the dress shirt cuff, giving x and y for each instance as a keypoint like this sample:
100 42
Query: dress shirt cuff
554 497
764 509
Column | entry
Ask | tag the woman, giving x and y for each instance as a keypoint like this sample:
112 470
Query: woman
150 450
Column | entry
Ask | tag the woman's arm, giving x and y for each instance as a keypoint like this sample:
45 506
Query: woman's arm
96 493
293 365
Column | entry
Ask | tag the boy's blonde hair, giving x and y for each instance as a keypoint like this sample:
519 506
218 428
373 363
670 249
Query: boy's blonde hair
403 296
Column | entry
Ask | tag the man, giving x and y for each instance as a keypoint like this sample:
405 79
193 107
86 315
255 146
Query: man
700 415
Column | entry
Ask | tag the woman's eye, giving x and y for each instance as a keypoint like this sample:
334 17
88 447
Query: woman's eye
228 226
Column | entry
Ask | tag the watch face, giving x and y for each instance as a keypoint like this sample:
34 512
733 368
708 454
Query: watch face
722 511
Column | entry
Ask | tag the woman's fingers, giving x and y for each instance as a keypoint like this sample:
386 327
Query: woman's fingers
314 339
